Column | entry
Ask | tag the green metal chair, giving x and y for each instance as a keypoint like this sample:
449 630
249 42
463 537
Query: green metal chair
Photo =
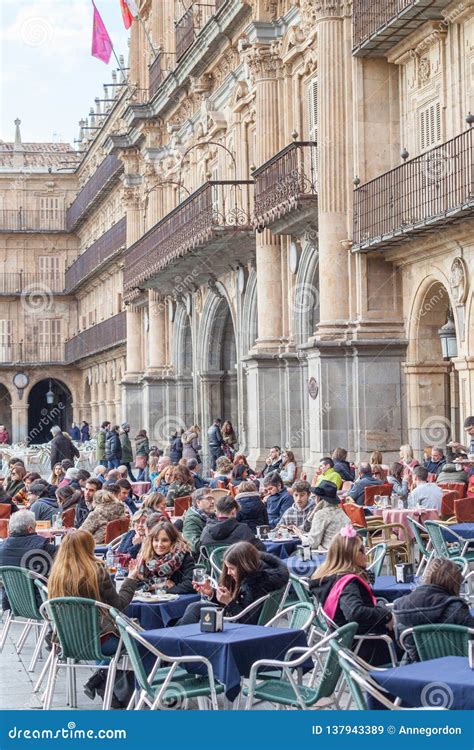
216 558
300 617
19 585
435 641
418 530
270 605
164 684
77 626
441 546
377 556
205 553
287 690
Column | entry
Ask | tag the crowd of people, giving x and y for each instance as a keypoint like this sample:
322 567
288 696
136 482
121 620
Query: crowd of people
232 508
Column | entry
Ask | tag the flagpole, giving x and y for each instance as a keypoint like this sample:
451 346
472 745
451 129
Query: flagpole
147 35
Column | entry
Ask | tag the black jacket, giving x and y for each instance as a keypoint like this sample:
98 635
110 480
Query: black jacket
82 511
427 605
176 449
29 551
62 447
214 436
229 532
113 446
252 511
126 546
434 467
344 470
272 575
45 508
269 469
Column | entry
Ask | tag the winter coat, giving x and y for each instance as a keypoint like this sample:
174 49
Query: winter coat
330 475
356 605
229 439
429 604
75 433
449 473
276 506
252 511
127 450
82 511
214 436
62 447
113 448
4 437
30 551
104 510
326 521
272 575
288 473
142 446
269 469
191 445
199 482
108 594
344 470
127 547
193 525
434 467
176 449
14 487
357 490
183 577
85 433
176 489
100 445
45 508
228 531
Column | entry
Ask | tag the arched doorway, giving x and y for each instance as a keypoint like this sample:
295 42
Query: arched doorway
184 372
433 381
42 416
6 408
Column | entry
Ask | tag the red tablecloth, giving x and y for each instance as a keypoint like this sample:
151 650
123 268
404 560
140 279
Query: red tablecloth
139 488
395 515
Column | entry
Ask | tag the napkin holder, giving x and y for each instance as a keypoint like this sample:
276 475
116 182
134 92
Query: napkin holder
212 619
404 573
262 532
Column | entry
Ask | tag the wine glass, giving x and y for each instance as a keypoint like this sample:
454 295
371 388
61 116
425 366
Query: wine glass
199 577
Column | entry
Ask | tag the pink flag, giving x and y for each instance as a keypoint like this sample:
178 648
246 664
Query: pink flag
101 42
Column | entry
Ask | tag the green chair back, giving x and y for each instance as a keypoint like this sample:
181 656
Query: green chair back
418 538
435 641
133 653
21 592
270 606
377 556
440 546
216 558
300 614
354 688
302 593
76 621
205 554
332 669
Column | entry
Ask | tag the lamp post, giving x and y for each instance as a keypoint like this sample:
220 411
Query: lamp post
50 395
447 335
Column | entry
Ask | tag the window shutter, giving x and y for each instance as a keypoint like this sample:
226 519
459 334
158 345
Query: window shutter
313 109
430 129
5 340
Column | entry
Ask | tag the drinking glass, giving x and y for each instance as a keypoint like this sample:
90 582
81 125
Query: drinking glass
199 578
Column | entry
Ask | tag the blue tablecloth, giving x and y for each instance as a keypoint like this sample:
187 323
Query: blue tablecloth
282 548
466 530
160 614
386 587
447 682
304 568
231 652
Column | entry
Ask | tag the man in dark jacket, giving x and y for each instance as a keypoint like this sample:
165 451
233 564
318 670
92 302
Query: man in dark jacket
199 482
364 480
84 505
45 506
252 510
437 461
127 450
113 448
227 530
62 447
273 462
25 548
215 442
436 601
278 499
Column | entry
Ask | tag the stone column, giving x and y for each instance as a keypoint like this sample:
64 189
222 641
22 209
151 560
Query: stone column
134 341
94 407
19 429
334 158
101 400
156 333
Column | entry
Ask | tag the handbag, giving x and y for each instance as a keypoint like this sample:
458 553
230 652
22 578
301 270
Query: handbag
140 462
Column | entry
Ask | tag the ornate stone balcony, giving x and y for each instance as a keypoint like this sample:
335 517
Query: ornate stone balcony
111 332
378 25
203 236
286 190
99 184
31 283
425 193
31 353
32 220
104 249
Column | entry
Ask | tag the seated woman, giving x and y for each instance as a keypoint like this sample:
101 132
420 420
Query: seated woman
106 508
288 468
16 484
252 510
341 586
437 600
182 484
247 575
68 497
163 480
241 458
223 472
239 474
399 483
155 502
153 468
165 560
57 474
132 541
77 572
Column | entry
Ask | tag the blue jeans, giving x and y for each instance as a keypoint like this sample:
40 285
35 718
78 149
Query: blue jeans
113 463
108 648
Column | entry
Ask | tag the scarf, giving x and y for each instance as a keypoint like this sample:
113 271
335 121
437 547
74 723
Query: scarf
164 566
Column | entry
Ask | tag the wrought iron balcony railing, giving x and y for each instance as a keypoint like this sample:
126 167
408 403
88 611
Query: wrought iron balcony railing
190 23
379 24
108 246
31 283
216 207
31 353
285 182
99 184
32 220
431 190
111 332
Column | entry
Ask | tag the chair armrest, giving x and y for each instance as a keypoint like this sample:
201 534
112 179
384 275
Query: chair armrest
248 609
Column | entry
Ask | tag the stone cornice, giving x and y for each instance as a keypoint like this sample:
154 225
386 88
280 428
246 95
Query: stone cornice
430 33
458 11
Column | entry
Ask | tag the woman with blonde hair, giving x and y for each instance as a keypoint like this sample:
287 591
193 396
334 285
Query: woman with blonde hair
165 560
408 462
182 484
288 468
342 587
77 572
155 502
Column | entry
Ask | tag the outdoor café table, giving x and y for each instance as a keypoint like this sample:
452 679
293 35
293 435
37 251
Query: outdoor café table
466 530
387 588
231 652
139 488
159 614
447 682
304 568
281 548
397 515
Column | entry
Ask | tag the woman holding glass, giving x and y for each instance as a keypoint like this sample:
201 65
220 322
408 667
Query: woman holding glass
165 561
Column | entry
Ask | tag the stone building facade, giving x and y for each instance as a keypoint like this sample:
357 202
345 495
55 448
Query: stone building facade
272 222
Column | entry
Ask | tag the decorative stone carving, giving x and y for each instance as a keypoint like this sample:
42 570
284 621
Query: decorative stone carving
131 198
329 8
424 71
264 61
458 281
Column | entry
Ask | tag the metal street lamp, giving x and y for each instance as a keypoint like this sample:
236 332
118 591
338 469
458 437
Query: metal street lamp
50 395
447 334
